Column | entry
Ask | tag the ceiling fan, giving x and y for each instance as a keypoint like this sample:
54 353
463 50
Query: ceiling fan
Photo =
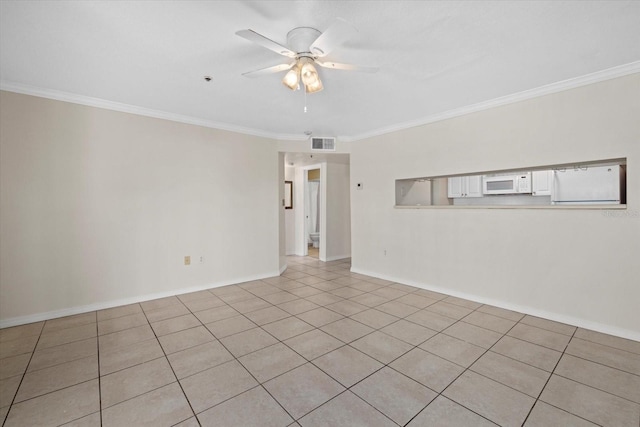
305 47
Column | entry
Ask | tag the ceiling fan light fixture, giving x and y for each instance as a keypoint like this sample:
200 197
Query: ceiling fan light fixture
307 47
309 74
292 78
315 87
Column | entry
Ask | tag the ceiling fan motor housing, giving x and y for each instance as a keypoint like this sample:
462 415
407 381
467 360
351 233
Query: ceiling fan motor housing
300 39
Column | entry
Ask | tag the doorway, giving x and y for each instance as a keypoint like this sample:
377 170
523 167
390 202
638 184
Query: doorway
333 221
313 211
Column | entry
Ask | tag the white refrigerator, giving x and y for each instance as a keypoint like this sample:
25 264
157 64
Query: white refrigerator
588 185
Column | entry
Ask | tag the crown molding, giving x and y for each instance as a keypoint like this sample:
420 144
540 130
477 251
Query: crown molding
599 76
141 111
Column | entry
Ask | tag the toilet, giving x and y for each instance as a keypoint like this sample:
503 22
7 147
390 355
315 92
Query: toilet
315 238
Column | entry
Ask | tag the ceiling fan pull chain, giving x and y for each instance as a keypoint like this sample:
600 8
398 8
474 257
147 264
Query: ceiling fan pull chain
305 101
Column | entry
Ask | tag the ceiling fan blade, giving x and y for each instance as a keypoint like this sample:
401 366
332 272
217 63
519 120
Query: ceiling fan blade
335 35
265 42
269 70
348 67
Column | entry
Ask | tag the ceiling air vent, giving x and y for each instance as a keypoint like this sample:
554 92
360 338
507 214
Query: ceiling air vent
323 143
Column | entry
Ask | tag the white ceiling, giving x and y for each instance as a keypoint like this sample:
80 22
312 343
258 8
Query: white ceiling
433 56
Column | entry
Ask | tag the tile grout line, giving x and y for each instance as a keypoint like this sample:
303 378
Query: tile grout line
486 351
357 396
52 391
528 342
348 345
23 375
389 363
605 345
61 363
581 383
463 371
259 384
550 373
383 364
334 379
569 354
606 366
170 366
350 286
503 335
99 373
283 373
562 353
52 366
97 342
549 379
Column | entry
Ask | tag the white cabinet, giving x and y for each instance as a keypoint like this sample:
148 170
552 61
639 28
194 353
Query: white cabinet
541 182
454 187
464 186
474 186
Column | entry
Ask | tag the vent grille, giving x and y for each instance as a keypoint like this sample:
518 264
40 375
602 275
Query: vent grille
323 143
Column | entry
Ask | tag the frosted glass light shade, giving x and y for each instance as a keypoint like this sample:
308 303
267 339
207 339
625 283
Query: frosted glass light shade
315 87
291 79
309 74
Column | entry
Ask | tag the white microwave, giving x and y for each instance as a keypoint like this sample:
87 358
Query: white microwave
507 184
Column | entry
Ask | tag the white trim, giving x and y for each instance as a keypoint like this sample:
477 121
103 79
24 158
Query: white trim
599 76
570 320
324 188
283 268
22 320
302 213
141 111
337 257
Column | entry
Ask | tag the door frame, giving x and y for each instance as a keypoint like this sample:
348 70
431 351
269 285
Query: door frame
303 249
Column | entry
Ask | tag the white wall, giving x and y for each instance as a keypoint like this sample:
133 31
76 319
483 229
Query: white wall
577 266
338 212
282 222
100 207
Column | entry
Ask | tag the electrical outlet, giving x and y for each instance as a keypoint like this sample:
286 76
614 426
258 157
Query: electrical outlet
201 260
187 260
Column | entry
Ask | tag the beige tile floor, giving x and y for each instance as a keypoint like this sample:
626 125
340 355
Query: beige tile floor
313 252
316 346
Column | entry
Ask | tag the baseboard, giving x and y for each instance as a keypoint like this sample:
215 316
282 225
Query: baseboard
558 317
337 257
38 317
